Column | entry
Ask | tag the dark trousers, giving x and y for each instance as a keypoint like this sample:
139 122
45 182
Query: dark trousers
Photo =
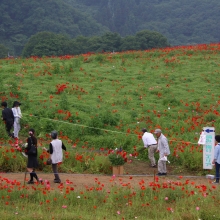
9 126
217 167
55 171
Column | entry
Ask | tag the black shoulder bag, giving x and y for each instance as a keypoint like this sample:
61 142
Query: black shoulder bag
33 149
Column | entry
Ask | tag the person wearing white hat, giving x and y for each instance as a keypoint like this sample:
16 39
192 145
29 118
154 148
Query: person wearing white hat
164 151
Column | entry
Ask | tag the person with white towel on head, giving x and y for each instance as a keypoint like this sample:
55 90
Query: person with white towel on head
56 154
164 150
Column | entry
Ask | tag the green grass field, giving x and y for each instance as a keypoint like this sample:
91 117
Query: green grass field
121 92
101 101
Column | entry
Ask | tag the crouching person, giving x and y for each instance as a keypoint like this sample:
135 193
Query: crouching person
56 154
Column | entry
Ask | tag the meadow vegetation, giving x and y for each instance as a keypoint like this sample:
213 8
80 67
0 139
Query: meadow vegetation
103 100
178 199
99 102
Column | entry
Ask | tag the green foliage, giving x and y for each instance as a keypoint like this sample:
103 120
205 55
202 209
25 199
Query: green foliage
148 39
210 117
3 51
109 99
176 199
8 157
50 44
45 44
64 104
116 159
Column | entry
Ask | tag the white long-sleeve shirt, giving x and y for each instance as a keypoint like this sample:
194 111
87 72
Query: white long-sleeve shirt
148 139
16 112
217 153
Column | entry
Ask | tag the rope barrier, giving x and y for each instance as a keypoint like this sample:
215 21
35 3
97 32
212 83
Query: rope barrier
80 125
186 142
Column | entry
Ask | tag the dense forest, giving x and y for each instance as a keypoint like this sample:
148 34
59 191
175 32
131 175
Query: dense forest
181 22
19 20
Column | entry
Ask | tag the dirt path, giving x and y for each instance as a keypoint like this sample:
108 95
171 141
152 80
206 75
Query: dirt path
87 180
83 181
136 174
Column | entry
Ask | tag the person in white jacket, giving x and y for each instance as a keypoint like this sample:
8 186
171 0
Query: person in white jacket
164 151
56 154
17 116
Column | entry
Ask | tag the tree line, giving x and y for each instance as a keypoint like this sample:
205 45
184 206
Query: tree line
51 44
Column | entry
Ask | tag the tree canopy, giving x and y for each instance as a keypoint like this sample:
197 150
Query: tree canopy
51 44
3 51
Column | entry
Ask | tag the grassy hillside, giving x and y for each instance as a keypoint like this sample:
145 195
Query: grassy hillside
103 100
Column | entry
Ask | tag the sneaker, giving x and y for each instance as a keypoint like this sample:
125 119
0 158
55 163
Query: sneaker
30 182
160 174
57 181
164 174
215 182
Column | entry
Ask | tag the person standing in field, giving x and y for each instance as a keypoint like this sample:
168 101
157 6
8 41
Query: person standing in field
8 118
150 143
17 116
164 151
216 159
56 154
32 162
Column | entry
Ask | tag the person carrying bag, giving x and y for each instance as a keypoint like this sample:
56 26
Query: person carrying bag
31 152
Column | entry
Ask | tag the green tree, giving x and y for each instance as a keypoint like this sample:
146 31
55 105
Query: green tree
78 45
150 39
94 44
129 43
111 42
3 51
46 44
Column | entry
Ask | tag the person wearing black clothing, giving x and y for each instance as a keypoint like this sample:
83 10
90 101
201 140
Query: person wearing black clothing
32 162
8 118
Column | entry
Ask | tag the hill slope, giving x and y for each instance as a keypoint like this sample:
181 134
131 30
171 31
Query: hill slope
182 22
